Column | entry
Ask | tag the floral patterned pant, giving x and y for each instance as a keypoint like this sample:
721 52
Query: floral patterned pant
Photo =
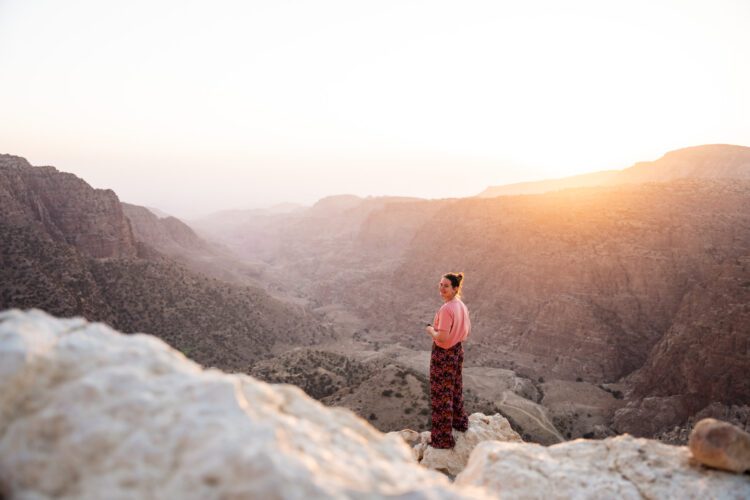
446 394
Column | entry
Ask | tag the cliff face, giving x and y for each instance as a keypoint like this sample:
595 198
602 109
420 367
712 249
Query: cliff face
69 249
703 358
68 209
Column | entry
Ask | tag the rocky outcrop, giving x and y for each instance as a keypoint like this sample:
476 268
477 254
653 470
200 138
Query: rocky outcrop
66 207
619 467
579 409
721 445
86 412
452 461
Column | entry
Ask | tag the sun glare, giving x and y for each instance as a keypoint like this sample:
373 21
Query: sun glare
502 91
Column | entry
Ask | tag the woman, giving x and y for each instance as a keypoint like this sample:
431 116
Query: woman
451 328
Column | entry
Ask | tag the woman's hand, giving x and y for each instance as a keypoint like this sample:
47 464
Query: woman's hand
435 334
430 331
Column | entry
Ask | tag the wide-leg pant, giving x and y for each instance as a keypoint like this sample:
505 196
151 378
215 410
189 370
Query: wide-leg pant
446 395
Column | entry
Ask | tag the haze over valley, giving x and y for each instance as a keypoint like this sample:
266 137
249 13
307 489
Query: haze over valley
615 305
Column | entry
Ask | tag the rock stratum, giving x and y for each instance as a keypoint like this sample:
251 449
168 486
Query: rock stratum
86 412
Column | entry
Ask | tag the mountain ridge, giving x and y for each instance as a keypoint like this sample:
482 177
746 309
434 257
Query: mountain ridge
70 249
684 162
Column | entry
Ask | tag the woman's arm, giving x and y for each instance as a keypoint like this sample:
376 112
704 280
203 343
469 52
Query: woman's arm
437 335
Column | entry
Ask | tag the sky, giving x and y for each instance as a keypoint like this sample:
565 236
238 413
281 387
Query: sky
194 107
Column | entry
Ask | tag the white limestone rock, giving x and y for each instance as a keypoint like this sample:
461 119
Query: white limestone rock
451 462
619 467
86 412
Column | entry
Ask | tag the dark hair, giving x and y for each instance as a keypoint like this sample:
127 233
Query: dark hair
456 280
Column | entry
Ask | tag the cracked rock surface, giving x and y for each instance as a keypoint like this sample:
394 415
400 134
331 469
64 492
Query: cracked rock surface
618 467
451 462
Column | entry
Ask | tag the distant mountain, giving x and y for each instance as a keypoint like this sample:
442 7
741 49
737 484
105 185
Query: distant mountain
167 234
158 212
175 239
713 161
72 250
300 239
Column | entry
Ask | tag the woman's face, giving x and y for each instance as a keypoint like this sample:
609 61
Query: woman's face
447 292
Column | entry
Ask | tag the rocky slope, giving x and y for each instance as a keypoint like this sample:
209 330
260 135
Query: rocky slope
70 249
175 239
86 412
701 359
582 283
168 234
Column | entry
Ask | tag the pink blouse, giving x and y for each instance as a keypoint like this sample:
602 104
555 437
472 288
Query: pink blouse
454 317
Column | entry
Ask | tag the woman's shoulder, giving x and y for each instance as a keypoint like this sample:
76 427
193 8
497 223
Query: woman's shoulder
454 304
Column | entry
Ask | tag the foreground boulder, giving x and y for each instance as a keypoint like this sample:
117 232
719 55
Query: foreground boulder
452 461
86 412
720 445
618 467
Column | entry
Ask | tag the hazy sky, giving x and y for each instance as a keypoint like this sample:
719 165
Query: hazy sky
197 106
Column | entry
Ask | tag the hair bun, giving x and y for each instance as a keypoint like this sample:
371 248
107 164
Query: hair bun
455 279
